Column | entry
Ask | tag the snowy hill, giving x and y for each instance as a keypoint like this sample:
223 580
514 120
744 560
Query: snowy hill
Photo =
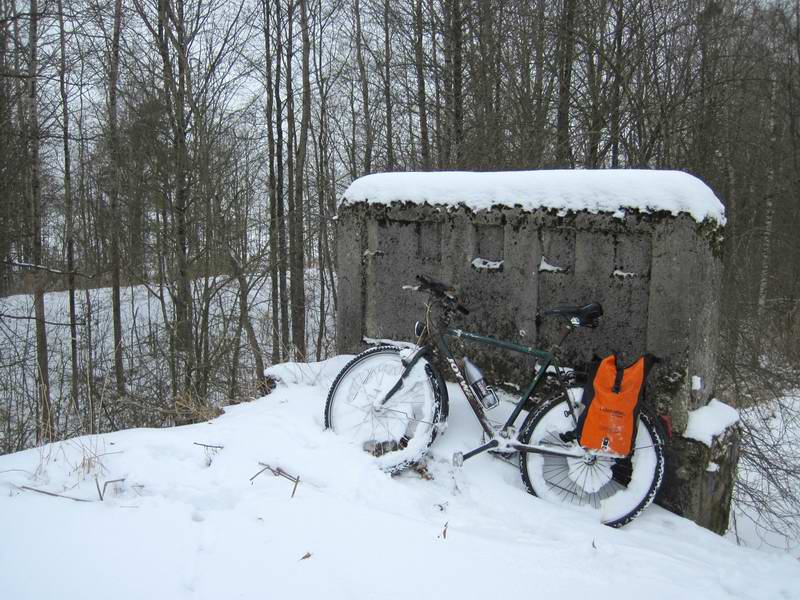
199 521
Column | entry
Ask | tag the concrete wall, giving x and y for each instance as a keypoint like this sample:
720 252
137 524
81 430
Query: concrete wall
657 276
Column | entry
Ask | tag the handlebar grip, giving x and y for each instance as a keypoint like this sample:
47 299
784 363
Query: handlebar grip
441 290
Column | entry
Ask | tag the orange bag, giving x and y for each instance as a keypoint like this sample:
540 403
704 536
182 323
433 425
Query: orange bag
612 398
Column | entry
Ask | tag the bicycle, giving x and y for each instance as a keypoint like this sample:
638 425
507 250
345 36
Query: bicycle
393 403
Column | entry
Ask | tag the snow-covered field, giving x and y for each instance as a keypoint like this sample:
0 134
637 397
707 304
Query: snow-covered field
191 521
146 353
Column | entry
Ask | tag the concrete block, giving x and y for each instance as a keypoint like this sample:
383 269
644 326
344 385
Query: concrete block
350 244
658 278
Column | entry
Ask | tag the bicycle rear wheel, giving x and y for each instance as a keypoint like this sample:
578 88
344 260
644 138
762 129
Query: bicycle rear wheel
400 431
615 490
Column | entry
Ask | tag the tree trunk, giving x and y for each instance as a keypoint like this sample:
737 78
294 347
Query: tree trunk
283 254
292 196
456 31
244 319
617 84
362 74
116 308
422 104
387 90
542 103
566 51
68 214
273 191
45 428
770 187
298 247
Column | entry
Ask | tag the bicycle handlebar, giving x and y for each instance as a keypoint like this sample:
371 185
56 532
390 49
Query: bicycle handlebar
441 290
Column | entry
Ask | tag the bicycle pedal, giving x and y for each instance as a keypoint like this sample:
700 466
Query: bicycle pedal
458 459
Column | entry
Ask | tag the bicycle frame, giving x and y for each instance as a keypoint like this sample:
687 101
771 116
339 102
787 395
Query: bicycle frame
503 437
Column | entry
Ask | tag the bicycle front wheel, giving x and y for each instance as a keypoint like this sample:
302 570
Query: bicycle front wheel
399 431
616 490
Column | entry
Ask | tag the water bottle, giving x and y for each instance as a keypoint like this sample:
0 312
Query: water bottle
477 382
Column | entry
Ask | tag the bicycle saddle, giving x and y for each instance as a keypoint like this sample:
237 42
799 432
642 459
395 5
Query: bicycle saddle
587 315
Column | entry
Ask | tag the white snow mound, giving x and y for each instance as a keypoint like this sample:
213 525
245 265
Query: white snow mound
707 422
602 190
192 513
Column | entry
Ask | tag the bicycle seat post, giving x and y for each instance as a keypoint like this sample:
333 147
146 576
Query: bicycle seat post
556 349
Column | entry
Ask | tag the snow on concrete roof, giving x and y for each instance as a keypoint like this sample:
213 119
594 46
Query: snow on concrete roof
607 190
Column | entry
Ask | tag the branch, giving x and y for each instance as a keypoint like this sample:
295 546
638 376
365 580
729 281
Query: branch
21 318
46 493
14 75
13 263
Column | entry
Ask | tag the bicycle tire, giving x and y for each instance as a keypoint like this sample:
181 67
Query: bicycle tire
615 490
399 433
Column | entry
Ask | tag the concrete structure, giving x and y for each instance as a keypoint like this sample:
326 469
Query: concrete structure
656 274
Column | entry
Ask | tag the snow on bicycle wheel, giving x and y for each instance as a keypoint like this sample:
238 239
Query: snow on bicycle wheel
398 431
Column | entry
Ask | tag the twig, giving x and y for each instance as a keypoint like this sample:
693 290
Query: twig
278 472
105 485
30 489
109 453
16 470
27 318
259 473
208 446
102 493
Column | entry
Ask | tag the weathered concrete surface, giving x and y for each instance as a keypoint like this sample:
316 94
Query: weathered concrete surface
657 277
698 485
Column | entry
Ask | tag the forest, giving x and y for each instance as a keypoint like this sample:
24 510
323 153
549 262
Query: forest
170 169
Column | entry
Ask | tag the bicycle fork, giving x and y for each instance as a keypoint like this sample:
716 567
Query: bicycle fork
409 364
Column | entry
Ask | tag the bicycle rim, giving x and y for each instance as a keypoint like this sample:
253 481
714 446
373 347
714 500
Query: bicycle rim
615 490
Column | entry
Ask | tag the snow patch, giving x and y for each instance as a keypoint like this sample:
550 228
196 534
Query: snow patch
710 421
387 342
483 264
606 190
546 267
313 373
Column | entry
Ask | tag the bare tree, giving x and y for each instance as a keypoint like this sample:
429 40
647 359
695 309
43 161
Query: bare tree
46 428
114 144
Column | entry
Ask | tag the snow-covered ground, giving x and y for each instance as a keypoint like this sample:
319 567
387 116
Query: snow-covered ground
768 469
193 521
